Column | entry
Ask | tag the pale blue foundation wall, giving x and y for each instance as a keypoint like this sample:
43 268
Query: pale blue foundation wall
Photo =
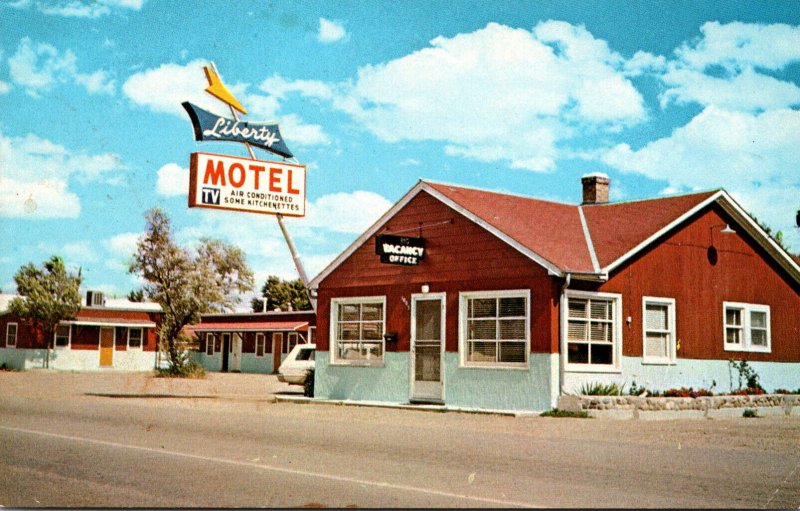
387 383
505 389
250 363
499 389
689 373
77 360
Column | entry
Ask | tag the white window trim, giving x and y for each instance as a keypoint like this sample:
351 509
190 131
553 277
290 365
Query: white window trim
16 334
462 328
141 339
263 338
616 330
288 341
672 348
334 320
69 343
213 339
746 345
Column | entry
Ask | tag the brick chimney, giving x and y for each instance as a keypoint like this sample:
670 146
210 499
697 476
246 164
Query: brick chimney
595 188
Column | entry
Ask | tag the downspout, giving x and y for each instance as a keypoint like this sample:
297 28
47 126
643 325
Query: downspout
561 351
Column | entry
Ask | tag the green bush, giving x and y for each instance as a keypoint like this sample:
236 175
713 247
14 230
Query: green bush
555 412
308 385
601 389
749 413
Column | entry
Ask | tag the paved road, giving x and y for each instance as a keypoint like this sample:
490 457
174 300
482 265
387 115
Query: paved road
63 448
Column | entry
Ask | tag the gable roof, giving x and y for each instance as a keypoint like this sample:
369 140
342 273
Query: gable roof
586 241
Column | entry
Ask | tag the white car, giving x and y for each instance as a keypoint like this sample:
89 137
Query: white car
293 370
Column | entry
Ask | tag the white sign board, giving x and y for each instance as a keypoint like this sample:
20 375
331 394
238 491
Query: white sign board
240 184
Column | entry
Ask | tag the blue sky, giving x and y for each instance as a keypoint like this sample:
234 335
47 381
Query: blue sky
524 97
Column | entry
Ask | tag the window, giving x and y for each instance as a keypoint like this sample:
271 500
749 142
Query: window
261 343
494 328
593 331
306 354
135 338
62 336
658 320
746 327
11 335
210 341
291 341
357 326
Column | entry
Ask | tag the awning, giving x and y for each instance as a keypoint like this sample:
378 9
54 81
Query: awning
129 323
256 326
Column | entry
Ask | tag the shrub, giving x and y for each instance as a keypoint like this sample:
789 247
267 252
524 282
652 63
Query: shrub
190 369
601 389
690 392
308 385
555 412
636 390
749 413
746 374
786 391
6 367
749 391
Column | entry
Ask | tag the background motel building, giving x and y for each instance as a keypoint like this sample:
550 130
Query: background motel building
250 342
105 334
517 300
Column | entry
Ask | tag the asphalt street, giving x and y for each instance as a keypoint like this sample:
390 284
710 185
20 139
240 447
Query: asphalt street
64 449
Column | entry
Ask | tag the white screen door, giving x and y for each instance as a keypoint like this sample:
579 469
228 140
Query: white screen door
427 347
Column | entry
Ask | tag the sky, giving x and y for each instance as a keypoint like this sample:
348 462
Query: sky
521 97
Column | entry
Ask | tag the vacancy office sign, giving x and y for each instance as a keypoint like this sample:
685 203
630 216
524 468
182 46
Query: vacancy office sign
399 249
219 181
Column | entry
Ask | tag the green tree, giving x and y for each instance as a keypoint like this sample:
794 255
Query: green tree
48 295
281 294
186 284
136 296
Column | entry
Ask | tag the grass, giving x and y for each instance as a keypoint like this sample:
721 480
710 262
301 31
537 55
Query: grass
601 389
555 412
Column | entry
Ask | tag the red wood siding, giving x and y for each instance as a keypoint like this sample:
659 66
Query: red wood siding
678 267
460 256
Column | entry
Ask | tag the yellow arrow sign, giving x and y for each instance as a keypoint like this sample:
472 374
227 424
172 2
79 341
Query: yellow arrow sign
217 89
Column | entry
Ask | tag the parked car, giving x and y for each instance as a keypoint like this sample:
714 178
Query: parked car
293 370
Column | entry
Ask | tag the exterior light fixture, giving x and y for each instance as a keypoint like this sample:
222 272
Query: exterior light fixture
711 253
425 288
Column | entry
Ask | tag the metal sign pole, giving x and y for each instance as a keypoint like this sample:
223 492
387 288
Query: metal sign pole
298 264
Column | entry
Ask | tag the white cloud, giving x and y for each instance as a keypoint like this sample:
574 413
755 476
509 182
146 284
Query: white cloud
724 67
38 67
48 198
172 180
123 243
91 9
163 89
36 173
278 87
350 212
498 93
743 44
331 31
753 156
4 87
80 252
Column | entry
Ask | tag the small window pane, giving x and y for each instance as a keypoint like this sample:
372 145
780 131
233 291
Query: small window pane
733 335
578 331
512 352
656 316
600 309
600 332
578 353
372 331
350 312
602 354
512 306
656 345
733 317
11 335
482 351
348 331
758 338
372 312
135 337
62 335
482 329
758 319
577 308
483 308
512 329
209 344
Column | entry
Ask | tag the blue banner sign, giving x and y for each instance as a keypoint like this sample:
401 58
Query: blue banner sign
211 127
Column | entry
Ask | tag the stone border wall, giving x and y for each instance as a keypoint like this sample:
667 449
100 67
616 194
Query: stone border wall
658 404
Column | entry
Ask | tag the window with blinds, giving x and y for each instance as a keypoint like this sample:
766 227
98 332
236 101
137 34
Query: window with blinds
658 320
358 325
496 328
592 335
746 327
